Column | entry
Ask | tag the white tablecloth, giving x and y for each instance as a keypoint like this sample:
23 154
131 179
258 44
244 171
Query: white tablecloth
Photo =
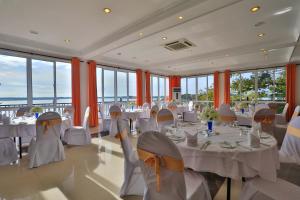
25 127
135 114
181 108
242 161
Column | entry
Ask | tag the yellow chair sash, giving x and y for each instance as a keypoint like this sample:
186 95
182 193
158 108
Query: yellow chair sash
114 115
122 135
156 162
227 118
264 119
295 114
153 113
293 131
48 123
163 118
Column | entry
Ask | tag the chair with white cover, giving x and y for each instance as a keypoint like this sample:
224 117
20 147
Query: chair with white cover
265 117
148 124
164 118
21 111
224 107
191 104
290 149
104 120
69 112
163 169
190 116
133 180
146 106
280 129
172 106
281 118
261 106
226 115
79 135
8 151
260 189
47 147
115 114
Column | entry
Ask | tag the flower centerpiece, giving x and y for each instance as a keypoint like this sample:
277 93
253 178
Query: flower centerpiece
131 104
209 114
36 111
242 106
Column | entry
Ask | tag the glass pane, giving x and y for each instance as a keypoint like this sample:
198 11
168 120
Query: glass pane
99 83
132 86
235 82
162 88
248 86
265 85
122 86
167 88
42 82
63 82
154 88
191 91
183 89
109 85
280 84
202 85
210 88
13 82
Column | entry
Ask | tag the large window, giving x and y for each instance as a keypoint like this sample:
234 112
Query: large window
13 81
260 85
34 81
160 88
119 85
199 88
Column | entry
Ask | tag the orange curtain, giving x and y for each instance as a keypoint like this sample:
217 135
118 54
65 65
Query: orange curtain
291 88
174 81
216 89
139 87
92 94
75 62
148 86
227 87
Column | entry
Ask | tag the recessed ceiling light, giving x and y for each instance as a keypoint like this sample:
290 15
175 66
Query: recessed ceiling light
180 17
164 38
141 34
67 41
283 11
107 10
261 35
254 9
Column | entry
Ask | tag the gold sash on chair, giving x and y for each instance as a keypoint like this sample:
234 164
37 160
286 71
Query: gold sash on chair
49 122
114 115
226 118
163 118
293 131
122 135
156 162
265 119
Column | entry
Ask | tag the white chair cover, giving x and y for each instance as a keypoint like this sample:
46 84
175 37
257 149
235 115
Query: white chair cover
226 115
173 108
69 112
224 107
261 106
190 116
164 117
47 147
79 135
296 112
8 151
260 189
146 106
191 104
104 120
115 113
266 117
281 118
290 149
133 180
175 183
21 111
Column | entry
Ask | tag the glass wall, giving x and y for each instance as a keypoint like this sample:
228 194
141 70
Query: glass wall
259 85
34 80
119 85
199 89
159 88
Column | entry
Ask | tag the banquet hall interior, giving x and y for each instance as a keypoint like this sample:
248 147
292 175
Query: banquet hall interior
150 99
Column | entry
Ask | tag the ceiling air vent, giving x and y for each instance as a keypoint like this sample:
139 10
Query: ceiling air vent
179 45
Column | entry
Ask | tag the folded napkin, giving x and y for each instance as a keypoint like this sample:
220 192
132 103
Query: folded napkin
191 139
253 139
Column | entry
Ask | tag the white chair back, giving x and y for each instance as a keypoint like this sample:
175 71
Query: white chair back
191 104
285 109
115 114
164 117
146 106
48 124
291 143
21 111
226 115
224 107
156 152
296 112
266 117
86 118
261 106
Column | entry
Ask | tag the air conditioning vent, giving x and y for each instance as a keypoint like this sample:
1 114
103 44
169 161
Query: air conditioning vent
179 45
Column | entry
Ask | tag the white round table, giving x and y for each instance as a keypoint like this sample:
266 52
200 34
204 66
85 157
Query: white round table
135 114
244 119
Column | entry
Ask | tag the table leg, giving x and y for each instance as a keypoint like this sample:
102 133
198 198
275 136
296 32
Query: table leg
20 147
130 125
228 188
243 179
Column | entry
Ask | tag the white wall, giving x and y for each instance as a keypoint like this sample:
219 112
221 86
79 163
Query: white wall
83 87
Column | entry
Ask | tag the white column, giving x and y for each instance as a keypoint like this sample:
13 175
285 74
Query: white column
83 87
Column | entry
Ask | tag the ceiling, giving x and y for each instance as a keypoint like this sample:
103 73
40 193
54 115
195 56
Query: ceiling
224 32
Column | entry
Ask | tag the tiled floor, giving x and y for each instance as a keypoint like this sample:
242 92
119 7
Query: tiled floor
94 171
